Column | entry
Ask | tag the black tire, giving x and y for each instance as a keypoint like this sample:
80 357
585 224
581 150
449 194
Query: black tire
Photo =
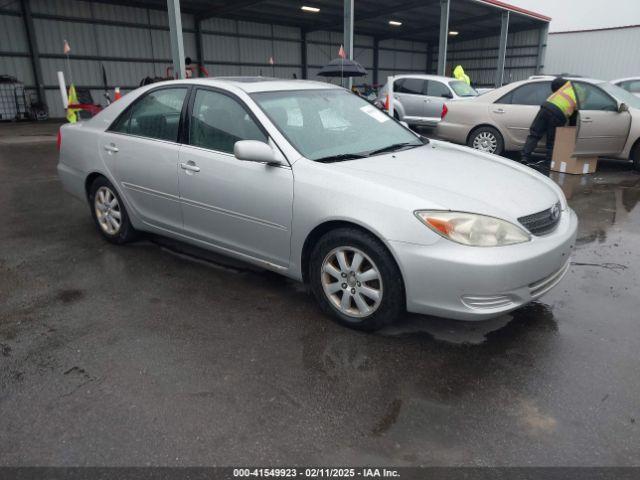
635 156
125 233
392 300
489 132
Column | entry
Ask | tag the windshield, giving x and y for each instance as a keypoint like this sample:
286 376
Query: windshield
462 89
621 94
333 123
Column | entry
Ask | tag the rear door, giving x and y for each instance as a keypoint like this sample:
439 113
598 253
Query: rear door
410 94
602 130
515 111
437 94
142 145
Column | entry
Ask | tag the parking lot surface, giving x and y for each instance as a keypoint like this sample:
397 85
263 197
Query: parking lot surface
147 354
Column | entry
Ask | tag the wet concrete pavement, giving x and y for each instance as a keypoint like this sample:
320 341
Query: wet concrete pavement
139 355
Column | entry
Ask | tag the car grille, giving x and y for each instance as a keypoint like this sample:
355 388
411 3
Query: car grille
542 222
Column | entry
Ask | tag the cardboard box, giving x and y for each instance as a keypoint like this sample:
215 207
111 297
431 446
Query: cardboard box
563 159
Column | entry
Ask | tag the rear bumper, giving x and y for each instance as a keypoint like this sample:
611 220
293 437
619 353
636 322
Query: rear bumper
453 132
472 283
72 180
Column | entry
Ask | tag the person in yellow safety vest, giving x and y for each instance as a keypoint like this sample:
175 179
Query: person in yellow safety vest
553 113
459 74
72 116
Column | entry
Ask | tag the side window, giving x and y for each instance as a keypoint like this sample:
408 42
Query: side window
632 86
156 115
121 125
438 89
529 94
414 86
218 122
591 97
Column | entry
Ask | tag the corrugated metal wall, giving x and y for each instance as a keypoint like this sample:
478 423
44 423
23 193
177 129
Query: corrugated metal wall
479 58
605 54
133 43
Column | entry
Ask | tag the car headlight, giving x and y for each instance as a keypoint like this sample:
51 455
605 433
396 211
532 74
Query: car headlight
472 229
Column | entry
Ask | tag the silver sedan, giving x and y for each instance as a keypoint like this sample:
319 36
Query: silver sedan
310 181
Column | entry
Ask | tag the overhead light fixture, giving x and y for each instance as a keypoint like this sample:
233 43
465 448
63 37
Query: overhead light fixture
453 33
395 23
310 9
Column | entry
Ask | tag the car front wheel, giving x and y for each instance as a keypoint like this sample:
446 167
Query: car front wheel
356 280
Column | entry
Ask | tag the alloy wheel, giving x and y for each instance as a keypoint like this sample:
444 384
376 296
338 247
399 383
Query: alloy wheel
485 142
108 211
351 282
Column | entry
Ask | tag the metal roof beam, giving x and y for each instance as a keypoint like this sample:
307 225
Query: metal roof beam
380 12
230 7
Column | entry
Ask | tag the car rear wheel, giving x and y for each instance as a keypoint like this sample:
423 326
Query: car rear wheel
486 139
109 212
356 280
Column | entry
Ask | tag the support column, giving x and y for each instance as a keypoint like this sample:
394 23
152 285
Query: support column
303 54
34 55
348 33
175 34
376 59
542 43
199 50
444 36
502 51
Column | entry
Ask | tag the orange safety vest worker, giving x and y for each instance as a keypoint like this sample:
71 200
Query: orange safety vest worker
565 99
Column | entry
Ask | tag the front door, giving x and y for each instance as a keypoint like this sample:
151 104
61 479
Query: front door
602 130
142 147
240 207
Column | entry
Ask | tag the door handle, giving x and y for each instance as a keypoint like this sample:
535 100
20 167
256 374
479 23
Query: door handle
586 120
111 148
498 110
190 167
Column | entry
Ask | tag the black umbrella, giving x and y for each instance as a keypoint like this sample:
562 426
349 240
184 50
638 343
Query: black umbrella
342 67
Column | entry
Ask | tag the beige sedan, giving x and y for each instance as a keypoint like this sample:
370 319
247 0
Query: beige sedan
498 121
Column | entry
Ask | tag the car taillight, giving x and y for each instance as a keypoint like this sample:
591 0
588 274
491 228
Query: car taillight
59 140
445 110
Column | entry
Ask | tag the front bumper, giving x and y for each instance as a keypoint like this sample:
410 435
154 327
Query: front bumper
474 283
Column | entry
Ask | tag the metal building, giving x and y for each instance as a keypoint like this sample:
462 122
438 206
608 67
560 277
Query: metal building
606 53
494 42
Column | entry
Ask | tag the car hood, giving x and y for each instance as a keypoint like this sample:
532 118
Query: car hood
444 176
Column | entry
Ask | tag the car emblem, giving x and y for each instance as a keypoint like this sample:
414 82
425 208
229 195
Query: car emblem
555 212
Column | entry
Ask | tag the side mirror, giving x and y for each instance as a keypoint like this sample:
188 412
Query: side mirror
623 108
255 151
447 95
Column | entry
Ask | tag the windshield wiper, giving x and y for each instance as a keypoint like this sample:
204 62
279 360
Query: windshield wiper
340 157
393 147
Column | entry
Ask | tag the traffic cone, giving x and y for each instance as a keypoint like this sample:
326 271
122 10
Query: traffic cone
117 95
386 103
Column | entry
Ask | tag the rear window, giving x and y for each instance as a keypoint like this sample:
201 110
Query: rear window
463 89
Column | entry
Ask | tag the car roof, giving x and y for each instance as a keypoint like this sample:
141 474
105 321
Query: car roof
424 76
619 80
595 81
256 83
